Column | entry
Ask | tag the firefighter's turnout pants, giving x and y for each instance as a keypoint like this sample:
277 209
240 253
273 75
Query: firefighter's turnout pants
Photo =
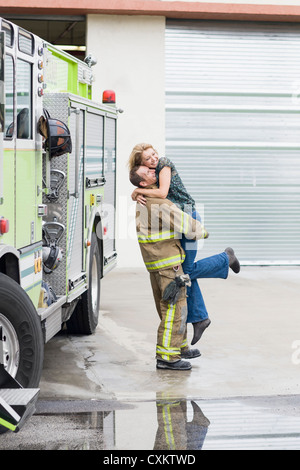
172 330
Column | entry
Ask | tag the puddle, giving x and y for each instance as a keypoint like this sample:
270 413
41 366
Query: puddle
164 424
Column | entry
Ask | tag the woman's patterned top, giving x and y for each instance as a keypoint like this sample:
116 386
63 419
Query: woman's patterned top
177 191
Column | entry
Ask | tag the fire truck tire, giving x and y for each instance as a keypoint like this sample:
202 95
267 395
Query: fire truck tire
23 343
84 319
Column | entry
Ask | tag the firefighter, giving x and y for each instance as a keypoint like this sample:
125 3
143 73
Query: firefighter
158 225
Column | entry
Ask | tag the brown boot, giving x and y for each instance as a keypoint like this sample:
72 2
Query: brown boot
234 263
199 328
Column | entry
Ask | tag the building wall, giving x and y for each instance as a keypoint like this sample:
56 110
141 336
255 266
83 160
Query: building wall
255 10
130 54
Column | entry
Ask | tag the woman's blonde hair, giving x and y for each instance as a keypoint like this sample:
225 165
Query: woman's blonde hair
135 158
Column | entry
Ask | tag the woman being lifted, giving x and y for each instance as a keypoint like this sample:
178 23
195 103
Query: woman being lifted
171 186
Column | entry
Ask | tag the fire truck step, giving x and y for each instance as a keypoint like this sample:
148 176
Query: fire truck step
16 406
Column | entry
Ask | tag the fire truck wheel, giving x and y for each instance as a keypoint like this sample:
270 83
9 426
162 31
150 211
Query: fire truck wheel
84 319
22 337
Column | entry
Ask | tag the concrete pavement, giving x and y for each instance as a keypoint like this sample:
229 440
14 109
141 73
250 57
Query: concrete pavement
104 392
252 347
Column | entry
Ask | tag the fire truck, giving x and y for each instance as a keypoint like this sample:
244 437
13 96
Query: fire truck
57 207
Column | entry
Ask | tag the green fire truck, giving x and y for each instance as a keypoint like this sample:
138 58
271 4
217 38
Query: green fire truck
57 207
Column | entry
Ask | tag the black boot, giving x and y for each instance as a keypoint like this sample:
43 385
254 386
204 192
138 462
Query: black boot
234 263
190 354
199 328
178 365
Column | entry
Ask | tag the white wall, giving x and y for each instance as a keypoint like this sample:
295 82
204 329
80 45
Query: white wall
130 54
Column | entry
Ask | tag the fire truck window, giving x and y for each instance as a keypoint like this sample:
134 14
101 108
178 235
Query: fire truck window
9 97
24 102
7 28
25 42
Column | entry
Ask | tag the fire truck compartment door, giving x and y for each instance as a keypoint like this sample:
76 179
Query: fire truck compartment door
75 221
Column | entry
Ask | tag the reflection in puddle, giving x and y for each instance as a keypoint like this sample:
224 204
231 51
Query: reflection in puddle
164 424
174 431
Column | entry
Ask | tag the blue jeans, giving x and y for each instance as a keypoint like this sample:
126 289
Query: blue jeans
215 266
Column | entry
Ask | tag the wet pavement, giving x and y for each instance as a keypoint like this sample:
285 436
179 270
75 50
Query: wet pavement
103 392
264 423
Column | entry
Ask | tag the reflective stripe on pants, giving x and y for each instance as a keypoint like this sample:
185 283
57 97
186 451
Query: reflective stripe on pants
171 335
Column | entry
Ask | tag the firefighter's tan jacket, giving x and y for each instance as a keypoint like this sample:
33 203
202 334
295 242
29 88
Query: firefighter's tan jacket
160 225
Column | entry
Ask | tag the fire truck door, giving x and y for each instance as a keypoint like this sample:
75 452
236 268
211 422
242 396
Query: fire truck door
75 218
26 158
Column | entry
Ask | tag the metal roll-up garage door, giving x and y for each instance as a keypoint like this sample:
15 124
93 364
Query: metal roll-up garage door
233 132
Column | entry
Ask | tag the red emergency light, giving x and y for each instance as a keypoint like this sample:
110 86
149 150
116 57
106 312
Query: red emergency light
4 225
108 96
